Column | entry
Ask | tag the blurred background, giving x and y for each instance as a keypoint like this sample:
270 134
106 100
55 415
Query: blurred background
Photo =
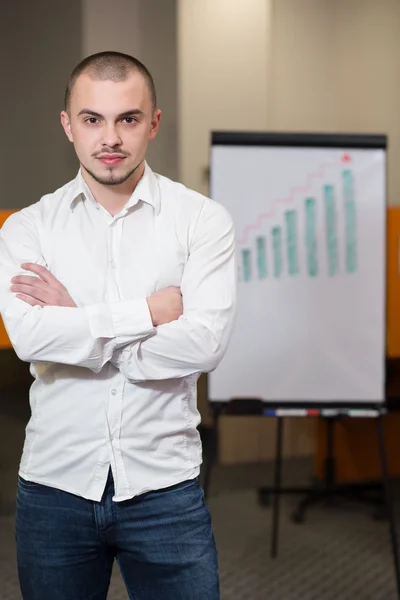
239 65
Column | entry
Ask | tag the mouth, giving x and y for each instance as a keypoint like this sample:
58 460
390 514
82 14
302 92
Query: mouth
111 159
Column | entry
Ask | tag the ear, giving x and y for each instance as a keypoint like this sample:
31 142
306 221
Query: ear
155 123
66 123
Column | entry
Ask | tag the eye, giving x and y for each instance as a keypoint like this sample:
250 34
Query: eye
129 120
91 120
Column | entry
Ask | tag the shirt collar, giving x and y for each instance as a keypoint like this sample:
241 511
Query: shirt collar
147 190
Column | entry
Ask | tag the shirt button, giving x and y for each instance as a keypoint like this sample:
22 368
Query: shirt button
114 392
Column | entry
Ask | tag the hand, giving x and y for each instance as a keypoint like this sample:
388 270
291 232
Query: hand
44 290
165 306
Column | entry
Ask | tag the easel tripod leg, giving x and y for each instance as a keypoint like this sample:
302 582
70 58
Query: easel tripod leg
277 488
389 499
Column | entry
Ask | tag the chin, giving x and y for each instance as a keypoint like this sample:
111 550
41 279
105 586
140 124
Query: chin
109 176
113 178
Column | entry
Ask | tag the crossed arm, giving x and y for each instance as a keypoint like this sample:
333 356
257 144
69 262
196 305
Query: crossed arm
146 338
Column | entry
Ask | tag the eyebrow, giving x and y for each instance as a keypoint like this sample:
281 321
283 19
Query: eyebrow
128 113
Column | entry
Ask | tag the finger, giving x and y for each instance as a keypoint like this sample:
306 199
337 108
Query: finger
29 300
27 280
29 290
41 271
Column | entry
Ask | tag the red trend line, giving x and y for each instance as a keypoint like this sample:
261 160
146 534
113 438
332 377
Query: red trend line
295 190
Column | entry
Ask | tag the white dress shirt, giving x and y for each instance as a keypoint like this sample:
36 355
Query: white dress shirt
109 388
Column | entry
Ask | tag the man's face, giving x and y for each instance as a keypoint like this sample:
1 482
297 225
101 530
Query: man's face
110 124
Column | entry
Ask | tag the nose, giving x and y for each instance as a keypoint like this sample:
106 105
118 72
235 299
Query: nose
111 136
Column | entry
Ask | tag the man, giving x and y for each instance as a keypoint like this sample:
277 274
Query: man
119 289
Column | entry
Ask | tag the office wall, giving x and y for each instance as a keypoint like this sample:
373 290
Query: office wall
303 89
40 42
146 30
335 67
223 54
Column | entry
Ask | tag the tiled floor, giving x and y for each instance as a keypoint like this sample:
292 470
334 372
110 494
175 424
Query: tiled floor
340 553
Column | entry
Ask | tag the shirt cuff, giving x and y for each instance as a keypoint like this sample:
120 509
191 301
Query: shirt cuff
131 318
100 321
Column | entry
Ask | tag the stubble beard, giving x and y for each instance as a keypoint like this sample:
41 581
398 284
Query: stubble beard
111 178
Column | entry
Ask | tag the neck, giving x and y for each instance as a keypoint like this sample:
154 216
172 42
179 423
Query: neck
113 197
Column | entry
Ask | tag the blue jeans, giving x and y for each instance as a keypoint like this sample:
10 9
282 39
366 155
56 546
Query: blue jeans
163 542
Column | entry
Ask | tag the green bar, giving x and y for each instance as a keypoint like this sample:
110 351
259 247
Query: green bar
311 240
291 241
331 233
246 255
350 216
277 248
261 258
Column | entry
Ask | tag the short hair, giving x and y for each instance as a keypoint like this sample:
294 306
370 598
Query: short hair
113 66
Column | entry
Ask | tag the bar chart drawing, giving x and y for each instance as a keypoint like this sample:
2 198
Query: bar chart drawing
246 265
331 234
350 211
261 257
291 242
311 241
309 226
277 246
